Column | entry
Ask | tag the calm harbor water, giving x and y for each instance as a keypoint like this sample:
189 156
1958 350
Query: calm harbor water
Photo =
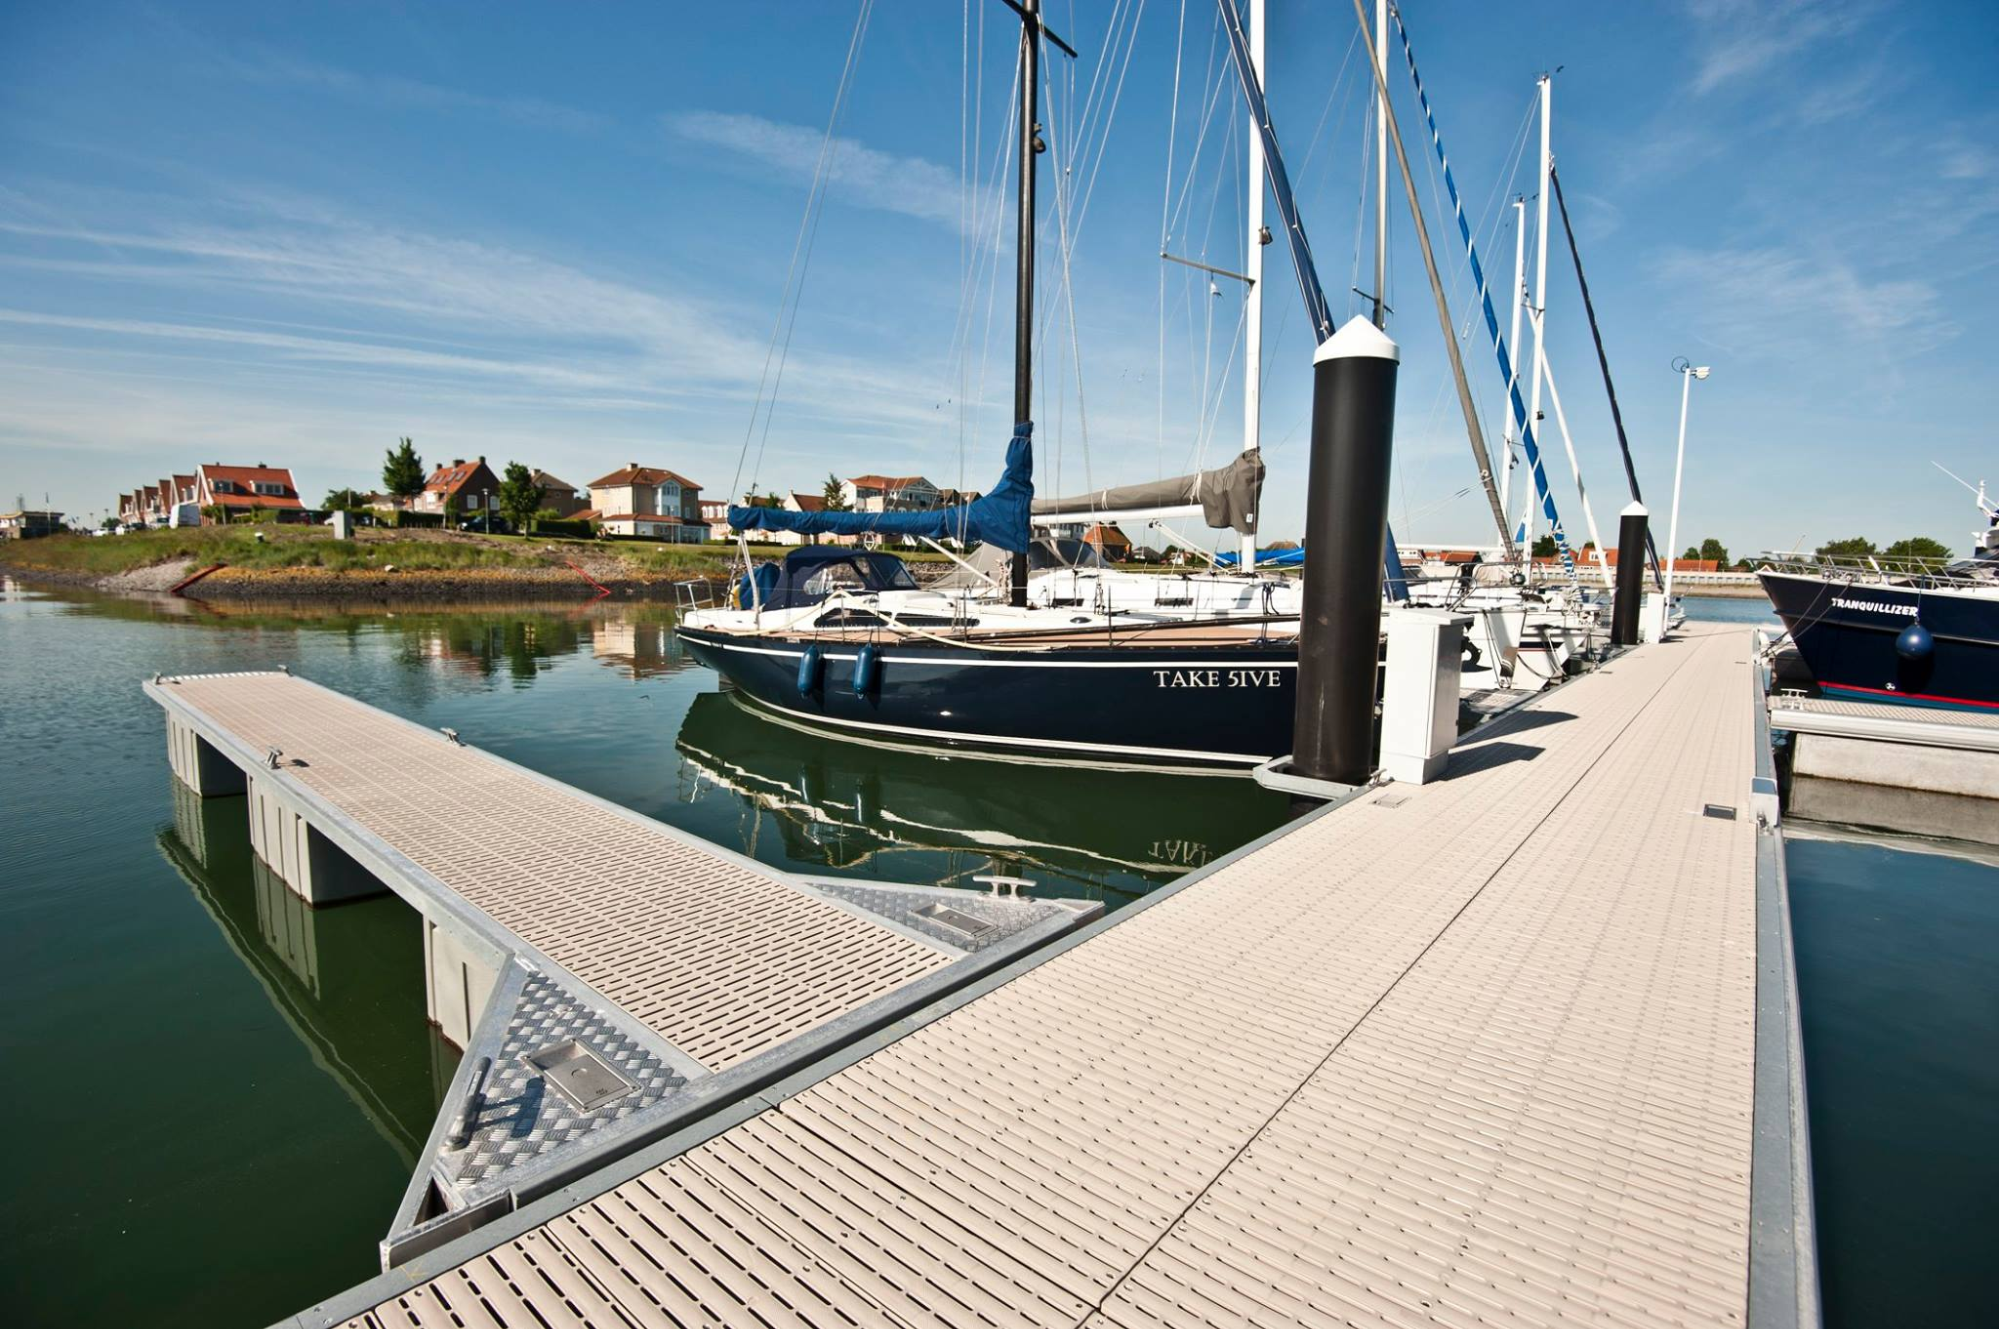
223 1091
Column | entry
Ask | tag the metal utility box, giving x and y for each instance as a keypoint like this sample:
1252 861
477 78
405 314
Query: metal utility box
1419 705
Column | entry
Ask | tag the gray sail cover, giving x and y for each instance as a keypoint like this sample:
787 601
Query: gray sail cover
1228 495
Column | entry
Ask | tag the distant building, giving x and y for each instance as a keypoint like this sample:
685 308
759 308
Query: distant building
1110 542
558 495
26 524
715 512
889 494
240 490
648 501
466 487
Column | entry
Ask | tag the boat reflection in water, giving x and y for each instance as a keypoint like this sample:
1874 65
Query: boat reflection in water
867 809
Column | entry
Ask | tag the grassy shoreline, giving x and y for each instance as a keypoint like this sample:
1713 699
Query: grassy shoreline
292 561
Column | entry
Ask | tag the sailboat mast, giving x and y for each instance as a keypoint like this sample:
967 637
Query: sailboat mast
1513 338
1540 321
1381 166
1023 299
1252 365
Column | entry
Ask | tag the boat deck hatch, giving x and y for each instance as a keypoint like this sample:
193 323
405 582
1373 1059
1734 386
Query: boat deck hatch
579 1075
1726 812
957 921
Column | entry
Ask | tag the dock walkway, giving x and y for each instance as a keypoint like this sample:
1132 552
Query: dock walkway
643 974
1485 1051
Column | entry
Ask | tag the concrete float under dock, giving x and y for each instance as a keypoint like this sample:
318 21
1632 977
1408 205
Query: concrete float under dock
609 977
1916 770
1516 1047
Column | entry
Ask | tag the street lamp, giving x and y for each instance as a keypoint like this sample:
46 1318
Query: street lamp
1688 372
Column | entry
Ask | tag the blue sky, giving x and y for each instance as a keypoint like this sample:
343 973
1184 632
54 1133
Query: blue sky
291 233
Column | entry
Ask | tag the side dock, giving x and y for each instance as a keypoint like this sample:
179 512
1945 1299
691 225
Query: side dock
609 978
1518 1046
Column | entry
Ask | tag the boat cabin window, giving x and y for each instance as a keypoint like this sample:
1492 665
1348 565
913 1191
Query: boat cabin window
834 577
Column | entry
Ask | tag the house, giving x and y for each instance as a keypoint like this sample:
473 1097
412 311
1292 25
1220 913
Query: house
648 501
247 490
559 496
27 524
464 487
888 494
715 512
1111 543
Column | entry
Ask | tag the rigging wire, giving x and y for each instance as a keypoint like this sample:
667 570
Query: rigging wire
801 260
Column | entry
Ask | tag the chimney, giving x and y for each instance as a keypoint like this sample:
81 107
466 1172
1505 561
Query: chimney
631 466
458 461
482 459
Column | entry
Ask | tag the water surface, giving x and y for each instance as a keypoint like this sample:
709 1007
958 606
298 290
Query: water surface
223 1092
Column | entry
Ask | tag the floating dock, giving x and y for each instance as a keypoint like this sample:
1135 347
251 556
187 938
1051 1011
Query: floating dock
1913 769
609 977
1516 1047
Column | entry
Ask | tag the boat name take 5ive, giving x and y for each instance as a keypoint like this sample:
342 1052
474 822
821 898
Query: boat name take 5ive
1216 678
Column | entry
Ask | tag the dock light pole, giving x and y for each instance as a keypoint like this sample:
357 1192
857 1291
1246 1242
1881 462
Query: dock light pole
1688 372
1346 528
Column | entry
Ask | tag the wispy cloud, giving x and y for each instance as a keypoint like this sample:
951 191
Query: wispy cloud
1741 38
291 309
1780 304
276 69
856 173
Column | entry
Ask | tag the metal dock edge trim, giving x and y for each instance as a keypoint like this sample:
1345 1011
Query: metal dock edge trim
1783 1242
366 1296
715 1090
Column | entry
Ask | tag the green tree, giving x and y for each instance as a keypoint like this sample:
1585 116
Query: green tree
1708 549
834 495
402 471
1544 547
344 501
1854 547
1919 547
109 524
520 497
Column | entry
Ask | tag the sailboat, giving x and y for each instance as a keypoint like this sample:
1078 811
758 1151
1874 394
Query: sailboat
1073 658
842 637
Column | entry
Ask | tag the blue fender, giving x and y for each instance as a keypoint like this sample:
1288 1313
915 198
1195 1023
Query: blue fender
867 670
811 666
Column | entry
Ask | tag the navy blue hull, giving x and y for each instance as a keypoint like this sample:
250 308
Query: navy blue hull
1846 633
1224 706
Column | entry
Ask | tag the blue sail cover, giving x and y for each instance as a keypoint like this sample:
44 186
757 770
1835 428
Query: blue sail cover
997 518
1273 558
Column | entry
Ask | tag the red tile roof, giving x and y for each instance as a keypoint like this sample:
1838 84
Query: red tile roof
643 475
248 478
885 482
1101 536
448 480
810 503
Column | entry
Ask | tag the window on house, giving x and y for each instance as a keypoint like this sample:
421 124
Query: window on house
225 487
268 487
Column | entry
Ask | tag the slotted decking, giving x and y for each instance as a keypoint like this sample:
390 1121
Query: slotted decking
719 956
1482 1052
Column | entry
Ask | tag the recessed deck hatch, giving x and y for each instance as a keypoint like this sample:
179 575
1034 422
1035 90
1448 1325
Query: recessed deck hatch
957 921
579 1075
